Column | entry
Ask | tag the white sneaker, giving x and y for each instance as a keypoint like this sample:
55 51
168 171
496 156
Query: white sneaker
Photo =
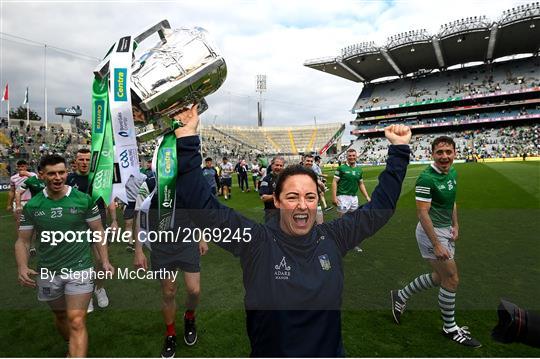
90 306
358 249
102 299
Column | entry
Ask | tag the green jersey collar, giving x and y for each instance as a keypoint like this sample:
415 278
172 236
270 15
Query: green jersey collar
436 169
66 195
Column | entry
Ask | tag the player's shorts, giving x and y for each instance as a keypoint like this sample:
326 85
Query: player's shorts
129 211
185 257
68 283
226 182
347 203
444 234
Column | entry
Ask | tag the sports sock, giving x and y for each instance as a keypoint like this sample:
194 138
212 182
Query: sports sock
447 304
420 283
171 330
189 314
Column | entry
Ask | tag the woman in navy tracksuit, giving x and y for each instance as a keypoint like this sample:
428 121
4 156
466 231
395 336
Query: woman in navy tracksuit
292 268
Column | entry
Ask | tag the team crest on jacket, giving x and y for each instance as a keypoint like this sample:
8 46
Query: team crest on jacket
325 262
282 270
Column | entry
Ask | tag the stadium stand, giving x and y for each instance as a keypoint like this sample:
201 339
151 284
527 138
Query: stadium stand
248 142
484 79
30 142
505 142
475 80
19 141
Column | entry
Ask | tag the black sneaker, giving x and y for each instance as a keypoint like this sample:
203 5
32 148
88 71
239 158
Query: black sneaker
398 306
169 347
462 336
190 331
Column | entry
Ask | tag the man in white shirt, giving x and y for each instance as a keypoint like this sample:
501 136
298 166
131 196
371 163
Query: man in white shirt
15 181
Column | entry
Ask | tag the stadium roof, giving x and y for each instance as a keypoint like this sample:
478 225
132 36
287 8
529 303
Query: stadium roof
459 42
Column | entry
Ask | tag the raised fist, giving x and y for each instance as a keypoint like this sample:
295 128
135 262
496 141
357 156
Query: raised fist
398 134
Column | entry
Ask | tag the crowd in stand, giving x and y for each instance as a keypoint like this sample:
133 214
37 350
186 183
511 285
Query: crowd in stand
470 144
480 80
32 142
455 119
226 147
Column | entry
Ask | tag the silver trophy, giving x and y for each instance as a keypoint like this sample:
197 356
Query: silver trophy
181 69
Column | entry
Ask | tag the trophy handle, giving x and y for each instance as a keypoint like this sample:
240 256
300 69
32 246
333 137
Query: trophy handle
161 28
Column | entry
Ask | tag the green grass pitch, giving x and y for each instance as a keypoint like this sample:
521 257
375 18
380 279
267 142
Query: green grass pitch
498 255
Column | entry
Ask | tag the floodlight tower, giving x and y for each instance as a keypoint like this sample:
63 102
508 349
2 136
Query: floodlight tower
261 87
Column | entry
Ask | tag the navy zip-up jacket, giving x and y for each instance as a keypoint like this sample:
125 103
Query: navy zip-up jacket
293 285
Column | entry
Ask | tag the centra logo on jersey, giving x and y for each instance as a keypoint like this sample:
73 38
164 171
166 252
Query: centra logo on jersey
282 270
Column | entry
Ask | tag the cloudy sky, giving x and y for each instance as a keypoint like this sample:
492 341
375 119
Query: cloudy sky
255 37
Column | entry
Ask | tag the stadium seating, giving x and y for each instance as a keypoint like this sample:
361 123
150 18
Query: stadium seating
483 143
456 118
247 142
483 79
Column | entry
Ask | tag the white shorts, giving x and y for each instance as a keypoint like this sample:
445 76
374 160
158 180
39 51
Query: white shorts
444 234
347 203
53 287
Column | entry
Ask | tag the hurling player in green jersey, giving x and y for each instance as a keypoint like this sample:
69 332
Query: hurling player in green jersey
348 178
436 234
65 279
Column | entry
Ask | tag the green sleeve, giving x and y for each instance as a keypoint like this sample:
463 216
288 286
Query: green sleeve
26 219
423 189
92 210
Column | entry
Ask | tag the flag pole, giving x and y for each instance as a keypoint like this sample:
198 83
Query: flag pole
45 84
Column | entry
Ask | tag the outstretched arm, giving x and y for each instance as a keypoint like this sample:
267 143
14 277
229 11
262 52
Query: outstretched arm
193 193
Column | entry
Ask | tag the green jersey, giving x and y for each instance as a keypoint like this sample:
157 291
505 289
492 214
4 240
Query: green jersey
348 179
34 184
440 189
69 214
